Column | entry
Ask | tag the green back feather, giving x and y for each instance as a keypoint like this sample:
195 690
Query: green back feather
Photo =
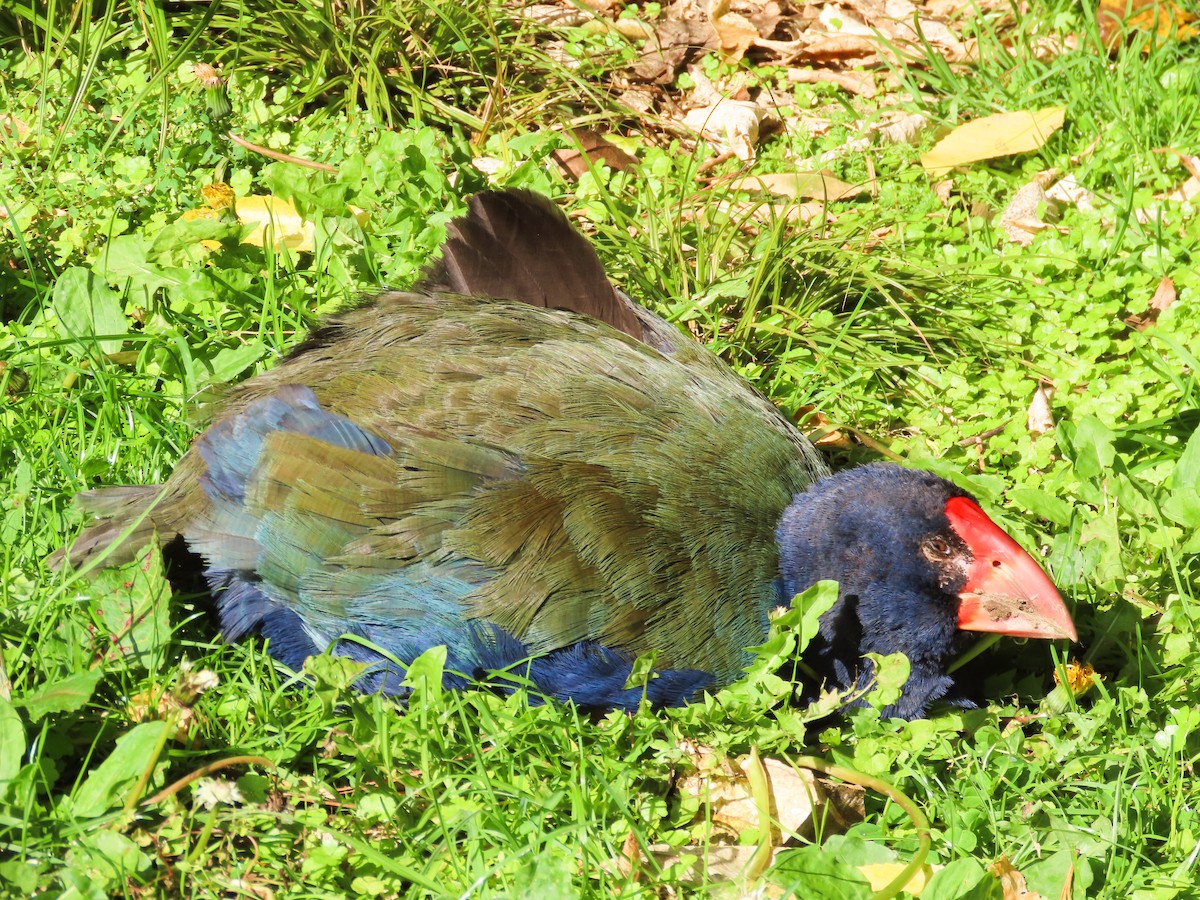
622 494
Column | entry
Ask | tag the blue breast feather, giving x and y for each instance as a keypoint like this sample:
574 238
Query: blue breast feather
401 609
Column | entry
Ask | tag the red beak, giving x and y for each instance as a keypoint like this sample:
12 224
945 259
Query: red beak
1006 591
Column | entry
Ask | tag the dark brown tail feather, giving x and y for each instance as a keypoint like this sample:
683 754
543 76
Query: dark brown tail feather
516 245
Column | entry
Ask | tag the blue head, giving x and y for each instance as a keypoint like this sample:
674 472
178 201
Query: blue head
918 562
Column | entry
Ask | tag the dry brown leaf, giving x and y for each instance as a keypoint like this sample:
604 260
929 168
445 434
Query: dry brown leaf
814 126
898 21
1040 417
1185 193
15 127
175 705
773 212
840 20
1004 134
637 100
907 130
732 124
817 427
849 49
858 145
952 9
810 125
1024 229
158 704
1069 192
846 806
813 185
705 91
488 165
630 860
903 27
1166 18
724 785
1068 891
735 33
247 886
683 31
558 52
1046 47
767 16
1012 882
1022 219
711 863
1164 296
633 29
554 16
1191 163
593 150
861 83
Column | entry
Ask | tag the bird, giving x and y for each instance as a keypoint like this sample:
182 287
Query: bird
518 462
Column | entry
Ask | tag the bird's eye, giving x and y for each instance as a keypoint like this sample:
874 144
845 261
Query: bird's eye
936 548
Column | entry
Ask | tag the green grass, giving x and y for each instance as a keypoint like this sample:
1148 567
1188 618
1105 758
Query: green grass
115 319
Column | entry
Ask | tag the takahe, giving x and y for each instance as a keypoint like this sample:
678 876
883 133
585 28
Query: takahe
518 462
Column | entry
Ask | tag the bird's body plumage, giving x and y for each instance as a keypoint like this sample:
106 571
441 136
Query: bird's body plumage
519 482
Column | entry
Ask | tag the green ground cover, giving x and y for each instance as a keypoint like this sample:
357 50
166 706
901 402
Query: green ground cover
908 319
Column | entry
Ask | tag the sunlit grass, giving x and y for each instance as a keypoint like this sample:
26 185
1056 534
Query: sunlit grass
923 340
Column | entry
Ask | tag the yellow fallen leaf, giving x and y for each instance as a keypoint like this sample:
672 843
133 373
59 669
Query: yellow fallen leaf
269 212
1119 18
881 874
199 213
1004 134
